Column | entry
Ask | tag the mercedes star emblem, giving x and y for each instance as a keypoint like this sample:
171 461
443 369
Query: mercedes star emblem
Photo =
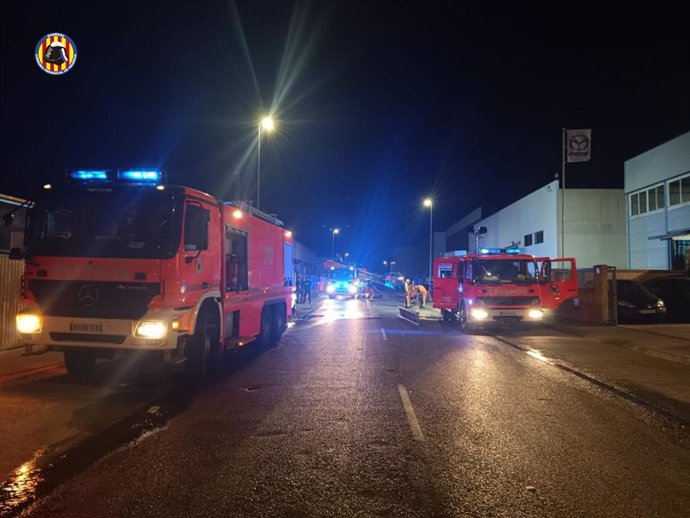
88 295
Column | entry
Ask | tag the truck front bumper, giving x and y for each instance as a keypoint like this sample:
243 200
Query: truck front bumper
481 314
157 328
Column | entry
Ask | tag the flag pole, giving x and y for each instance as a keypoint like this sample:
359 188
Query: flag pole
563 159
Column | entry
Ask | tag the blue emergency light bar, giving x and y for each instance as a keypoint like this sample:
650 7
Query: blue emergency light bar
136 176
512 250
140 176
87 175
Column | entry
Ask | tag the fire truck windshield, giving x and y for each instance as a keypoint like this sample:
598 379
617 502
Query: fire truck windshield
505 271
128 222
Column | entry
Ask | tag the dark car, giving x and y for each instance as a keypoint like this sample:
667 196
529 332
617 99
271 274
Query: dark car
637 303
675 291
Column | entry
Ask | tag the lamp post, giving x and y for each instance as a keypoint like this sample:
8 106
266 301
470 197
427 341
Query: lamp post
428 202
334 231
266 124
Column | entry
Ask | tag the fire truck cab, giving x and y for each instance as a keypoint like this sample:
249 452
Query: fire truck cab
500 286
119 261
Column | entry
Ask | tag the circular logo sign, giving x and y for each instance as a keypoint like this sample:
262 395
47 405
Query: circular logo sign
88 295
56 53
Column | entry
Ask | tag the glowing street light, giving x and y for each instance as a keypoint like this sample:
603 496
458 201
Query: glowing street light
267 125
429 203
334 231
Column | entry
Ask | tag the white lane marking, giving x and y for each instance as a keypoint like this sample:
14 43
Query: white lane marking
383 333
411 416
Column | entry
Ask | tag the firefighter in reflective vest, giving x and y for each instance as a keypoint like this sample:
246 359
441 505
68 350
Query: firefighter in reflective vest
409 286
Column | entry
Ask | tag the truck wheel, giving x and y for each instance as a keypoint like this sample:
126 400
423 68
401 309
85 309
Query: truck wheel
80 362
278 321
467 327
264 338
204 348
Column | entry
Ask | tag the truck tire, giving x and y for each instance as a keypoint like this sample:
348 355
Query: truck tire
204 348
467 327
80 362
264 338
278 323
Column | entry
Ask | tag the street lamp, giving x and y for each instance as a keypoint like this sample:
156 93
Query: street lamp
334 231
266 124
428 202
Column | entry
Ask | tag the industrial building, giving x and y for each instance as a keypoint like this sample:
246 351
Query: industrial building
657 190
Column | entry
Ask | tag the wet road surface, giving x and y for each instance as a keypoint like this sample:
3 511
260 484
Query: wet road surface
357 413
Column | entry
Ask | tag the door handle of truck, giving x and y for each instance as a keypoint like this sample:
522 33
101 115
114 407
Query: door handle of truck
204 285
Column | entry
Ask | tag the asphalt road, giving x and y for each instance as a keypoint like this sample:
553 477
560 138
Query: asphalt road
358 413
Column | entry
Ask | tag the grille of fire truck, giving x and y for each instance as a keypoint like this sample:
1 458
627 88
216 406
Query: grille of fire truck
124 300
255 212
508 301
84 337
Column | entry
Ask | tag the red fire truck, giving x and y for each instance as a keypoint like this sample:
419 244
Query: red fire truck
500 285
119 261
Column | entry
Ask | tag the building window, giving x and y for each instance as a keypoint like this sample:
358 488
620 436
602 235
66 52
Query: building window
538 237
660 198
528 240
679 191
647 201
634 205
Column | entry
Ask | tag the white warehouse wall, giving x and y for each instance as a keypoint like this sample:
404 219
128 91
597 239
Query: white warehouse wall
658 164
595 225
536 211
656 167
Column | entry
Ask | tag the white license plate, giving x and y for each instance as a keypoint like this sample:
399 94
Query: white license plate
508 313
86 327
647 311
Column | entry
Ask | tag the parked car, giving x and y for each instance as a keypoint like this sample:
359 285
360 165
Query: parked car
675 291
637 303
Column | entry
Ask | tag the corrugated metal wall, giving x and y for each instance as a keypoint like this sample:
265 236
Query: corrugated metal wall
10 284
11 234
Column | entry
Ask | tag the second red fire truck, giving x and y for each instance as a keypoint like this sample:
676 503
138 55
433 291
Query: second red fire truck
119 261
501 285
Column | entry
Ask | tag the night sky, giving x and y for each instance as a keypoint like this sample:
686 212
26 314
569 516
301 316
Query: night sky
379 104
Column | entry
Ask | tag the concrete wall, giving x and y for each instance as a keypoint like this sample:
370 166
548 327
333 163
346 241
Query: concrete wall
595 227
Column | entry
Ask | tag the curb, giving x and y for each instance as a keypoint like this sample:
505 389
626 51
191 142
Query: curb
611 387
676 358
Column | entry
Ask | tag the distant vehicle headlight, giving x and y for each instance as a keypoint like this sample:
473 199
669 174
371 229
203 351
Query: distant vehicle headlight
28 323
330 288
154 329
479 314
660 303
535 314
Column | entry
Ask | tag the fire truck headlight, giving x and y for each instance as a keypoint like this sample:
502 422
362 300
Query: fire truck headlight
479 314
330 288
535 314
28 323
150 329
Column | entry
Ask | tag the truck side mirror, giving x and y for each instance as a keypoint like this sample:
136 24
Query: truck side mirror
8 218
